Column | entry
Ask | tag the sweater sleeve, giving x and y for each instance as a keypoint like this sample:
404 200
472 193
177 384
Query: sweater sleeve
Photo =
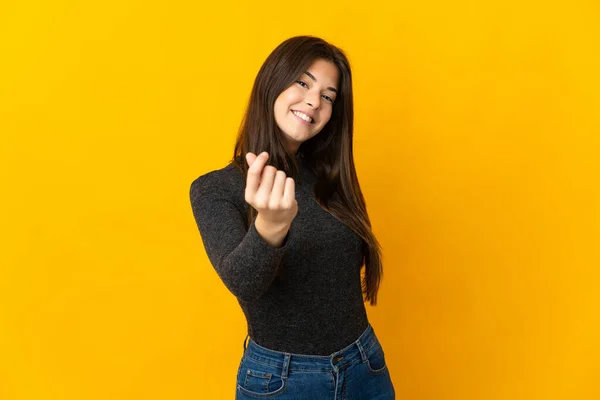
243 260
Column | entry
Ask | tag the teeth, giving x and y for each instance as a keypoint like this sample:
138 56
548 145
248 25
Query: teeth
303 116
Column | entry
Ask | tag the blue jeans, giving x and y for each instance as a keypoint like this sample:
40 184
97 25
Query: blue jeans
357 372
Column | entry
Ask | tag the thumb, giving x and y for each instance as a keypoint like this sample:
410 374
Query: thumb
250 157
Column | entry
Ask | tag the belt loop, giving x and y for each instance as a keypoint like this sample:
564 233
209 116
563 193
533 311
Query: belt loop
363 355
286 364
246 338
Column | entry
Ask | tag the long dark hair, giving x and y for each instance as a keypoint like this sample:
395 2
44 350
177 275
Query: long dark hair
328 154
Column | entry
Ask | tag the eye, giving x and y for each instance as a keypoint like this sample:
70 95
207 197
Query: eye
303 84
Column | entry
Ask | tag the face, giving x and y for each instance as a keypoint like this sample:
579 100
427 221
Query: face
304 108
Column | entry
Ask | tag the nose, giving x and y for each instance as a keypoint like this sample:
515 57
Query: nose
314 102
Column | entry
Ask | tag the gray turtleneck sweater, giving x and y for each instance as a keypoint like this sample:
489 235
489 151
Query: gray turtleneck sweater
314 305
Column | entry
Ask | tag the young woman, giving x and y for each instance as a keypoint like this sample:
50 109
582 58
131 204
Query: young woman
286 228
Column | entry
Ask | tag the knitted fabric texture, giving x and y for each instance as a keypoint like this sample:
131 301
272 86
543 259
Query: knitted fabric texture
303 297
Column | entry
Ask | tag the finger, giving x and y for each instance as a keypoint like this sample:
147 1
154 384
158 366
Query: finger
277 191
250 157
266 183
254 173
289 194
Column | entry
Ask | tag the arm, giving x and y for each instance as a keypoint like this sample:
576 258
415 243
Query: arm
272 234
244 260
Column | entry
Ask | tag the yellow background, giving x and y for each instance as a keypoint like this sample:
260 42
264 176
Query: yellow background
476 143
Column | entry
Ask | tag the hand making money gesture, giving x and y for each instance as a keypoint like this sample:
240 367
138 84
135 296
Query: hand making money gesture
270 191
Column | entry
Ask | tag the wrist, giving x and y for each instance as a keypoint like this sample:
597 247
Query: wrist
272 226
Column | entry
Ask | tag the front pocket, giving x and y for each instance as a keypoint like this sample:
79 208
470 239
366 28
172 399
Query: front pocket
376 360
260 382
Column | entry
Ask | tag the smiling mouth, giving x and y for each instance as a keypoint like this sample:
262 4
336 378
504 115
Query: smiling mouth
303 117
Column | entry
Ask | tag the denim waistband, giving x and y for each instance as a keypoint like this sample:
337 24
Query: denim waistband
334 361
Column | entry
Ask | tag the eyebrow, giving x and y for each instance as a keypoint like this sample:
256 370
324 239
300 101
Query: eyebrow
334 90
